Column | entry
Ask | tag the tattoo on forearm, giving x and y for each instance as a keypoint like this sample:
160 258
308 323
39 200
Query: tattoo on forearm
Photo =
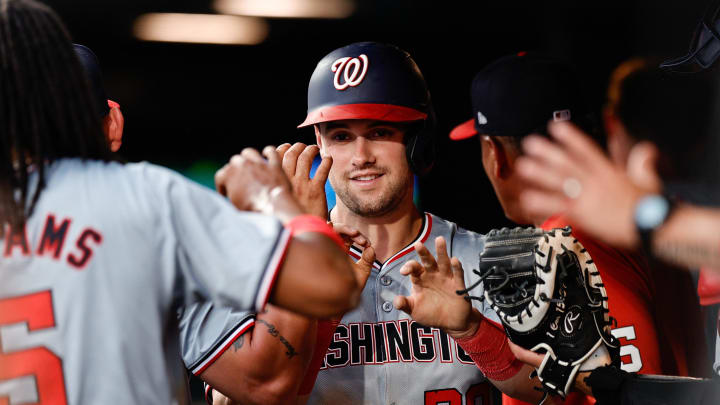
238 343
688 254
290 353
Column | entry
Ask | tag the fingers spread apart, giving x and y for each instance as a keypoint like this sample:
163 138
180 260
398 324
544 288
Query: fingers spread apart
305 160
426 258
413 269
289 162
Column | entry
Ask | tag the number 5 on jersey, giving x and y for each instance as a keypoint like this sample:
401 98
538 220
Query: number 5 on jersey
38 366
628 333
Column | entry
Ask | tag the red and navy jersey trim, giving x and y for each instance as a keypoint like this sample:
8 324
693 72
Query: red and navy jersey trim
422 237
356 254
220 347
267 281
424 234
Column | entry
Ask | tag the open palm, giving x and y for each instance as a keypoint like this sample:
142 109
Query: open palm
434 301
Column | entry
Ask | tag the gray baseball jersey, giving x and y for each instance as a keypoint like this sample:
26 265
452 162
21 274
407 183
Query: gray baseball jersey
207 330
90 288
378 355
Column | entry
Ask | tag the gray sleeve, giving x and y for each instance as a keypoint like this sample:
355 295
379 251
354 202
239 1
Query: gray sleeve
224 255
207 331
467 246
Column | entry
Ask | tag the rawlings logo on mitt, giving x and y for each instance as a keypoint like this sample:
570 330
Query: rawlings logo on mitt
550 298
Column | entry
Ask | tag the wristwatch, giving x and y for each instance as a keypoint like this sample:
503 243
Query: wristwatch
650 213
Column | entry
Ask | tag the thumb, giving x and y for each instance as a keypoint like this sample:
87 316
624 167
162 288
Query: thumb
368 257
403 303
363 267
526 356
642 166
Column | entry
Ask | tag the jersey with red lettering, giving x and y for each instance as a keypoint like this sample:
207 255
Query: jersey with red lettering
378 355
90 287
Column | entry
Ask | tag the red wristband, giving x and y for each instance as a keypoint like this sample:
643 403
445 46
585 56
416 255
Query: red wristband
311 223
490 351
325 332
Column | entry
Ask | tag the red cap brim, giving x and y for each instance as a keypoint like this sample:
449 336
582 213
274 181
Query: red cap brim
464 130
379 112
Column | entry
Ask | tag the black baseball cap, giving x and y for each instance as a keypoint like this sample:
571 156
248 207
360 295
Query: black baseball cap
90 63
519 94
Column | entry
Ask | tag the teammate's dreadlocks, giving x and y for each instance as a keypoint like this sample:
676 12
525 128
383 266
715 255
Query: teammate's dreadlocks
46 110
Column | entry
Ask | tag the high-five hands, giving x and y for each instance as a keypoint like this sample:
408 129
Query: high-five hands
254 183
296 163
434 301
572 175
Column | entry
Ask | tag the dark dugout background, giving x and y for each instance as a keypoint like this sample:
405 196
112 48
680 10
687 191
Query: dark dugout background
191 106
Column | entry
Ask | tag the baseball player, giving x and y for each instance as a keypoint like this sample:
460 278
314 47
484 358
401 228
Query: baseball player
97 255
262 358
371 111
634 214
685 225
516 96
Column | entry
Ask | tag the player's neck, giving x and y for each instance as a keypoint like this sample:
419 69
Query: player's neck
388 233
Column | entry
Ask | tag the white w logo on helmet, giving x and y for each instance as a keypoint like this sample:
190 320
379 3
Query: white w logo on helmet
352 70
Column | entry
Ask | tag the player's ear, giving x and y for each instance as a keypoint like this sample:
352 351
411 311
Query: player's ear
494 159
319 142
113 124
619 142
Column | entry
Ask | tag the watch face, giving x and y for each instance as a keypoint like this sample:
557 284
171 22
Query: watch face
651 211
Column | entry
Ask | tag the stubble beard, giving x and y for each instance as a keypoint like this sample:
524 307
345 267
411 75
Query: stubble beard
370 207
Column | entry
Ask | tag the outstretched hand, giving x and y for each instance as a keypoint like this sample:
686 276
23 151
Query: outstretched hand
352 236
573 176
434 301
252 182
296 163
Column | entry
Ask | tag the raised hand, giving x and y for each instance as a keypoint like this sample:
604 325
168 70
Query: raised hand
574 177
352 236
253 183
296 163
434 301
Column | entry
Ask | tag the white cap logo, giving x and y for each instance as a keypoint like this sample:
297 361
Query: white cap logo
351 70
562 115
482 120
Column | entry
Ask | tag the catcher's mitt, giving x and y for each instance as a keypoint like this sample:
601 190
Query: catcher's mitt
550 298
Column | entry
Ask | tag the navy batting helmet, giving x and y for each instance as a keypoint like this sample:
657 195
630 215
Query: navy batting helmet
368 80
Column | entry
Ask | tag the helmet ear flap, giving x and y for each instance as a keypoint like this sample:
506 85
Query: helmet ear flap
420 146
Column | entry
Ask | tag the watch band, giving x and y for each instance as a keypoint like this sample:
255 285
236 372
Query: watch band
651 212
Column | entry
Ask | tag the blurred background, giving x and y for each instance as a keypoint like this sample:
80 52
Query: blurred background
200 80
190 106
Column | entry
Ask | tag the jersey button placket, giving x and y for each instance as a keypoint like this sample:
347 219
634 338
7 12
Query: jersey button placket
387 306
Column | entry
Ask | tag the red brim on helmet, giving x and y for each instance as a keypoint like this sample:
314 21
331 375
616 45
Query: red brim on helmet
464 130
379 112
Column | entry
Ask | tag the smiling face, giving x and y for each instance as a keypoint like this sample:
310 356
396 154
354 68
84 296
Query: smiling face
370 173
